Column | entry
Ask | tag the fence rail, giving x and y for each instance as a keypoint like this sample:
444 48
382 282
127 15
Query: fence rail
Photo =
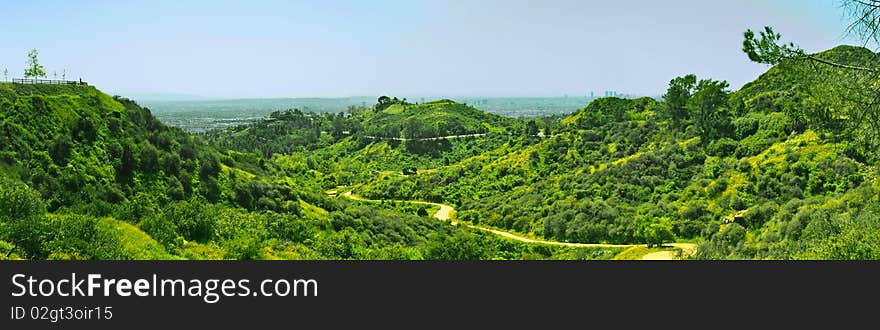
47 82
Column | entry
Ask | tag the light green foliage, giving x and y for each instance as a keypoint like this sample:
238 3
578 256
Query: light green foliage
772 171
658 231
92 159
731 170
34 68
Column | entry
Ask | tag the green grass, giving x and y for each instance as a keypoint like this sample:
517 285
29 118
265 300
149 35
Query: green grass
571 253
136 243
196 251
637 252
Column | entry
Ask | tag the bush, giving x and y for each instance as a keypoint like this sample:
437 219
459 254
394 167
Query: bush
722 148
81 237
163 230
22 215
195 221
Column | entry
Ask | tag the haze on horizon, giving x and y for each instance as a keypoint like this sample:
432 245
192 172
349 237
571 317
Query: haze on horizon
250 49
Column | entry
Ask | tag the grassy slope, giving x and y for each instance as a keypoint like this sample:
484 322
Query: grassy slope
72 143
745 185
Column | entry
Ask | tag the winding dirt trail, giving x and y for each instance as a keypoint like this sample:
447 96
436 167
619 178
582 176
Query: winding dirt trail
447 137
446 213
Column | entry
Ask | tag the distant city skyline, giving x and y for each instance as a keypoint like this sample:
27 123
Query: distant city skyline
493 48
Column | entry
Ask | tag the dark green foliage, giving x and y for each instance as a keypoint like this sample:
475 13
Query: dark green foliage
60 150
459 245
766 49
21 217
286 132
677 98
384 102
708 107
93 159
705 164
80 237
194 220
774 170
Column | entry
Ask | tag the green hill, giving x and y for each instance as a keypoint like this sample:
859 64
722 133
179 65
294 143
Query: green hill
778 178
399 136
84 175
784 168
429 120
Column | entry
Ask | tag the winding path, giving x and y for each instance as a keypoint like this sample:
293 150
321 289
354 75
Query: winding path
446 212
445 137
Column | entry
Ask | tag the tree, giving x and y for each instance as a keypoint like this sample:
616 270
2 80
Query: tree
415 129
531 128
5 74
658 232
708 108
460 245
383 102
149 158
60 150
677 96
768 50
858 79
34 68
340 125
866 18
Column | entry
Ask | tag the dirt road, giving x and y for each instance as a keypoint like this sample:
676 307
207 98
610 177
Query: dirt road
446 213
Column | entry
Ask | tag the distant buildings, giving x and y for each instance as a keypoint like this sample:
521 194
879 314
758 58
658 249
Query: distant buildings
613 94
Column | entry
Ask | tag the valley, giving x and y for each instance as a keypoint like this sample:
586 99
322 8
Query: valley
446 212
774 170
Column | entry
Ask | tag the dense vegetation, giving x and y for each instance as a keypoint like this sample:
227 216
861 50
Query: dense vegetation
89 176
785 167
775 170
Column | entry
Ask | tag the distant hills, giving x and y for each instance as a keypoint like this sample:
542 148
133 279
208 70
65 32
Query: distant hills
84 175
784 168
786 175
204 114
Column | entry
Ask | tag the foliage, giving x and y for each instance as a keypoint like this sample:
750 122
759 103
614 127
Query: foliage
780 169
34 68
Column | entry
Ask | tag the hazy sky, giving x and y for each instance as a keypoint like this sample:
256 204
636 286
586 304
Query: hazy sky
233 49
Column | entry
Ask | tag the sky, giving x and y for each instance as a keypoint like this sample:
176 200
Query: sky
251 49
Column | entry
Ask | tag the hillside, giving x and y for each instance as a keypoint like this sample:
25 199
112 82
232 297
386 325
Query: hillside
372 141
766 172
89 176
429 120
784 168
